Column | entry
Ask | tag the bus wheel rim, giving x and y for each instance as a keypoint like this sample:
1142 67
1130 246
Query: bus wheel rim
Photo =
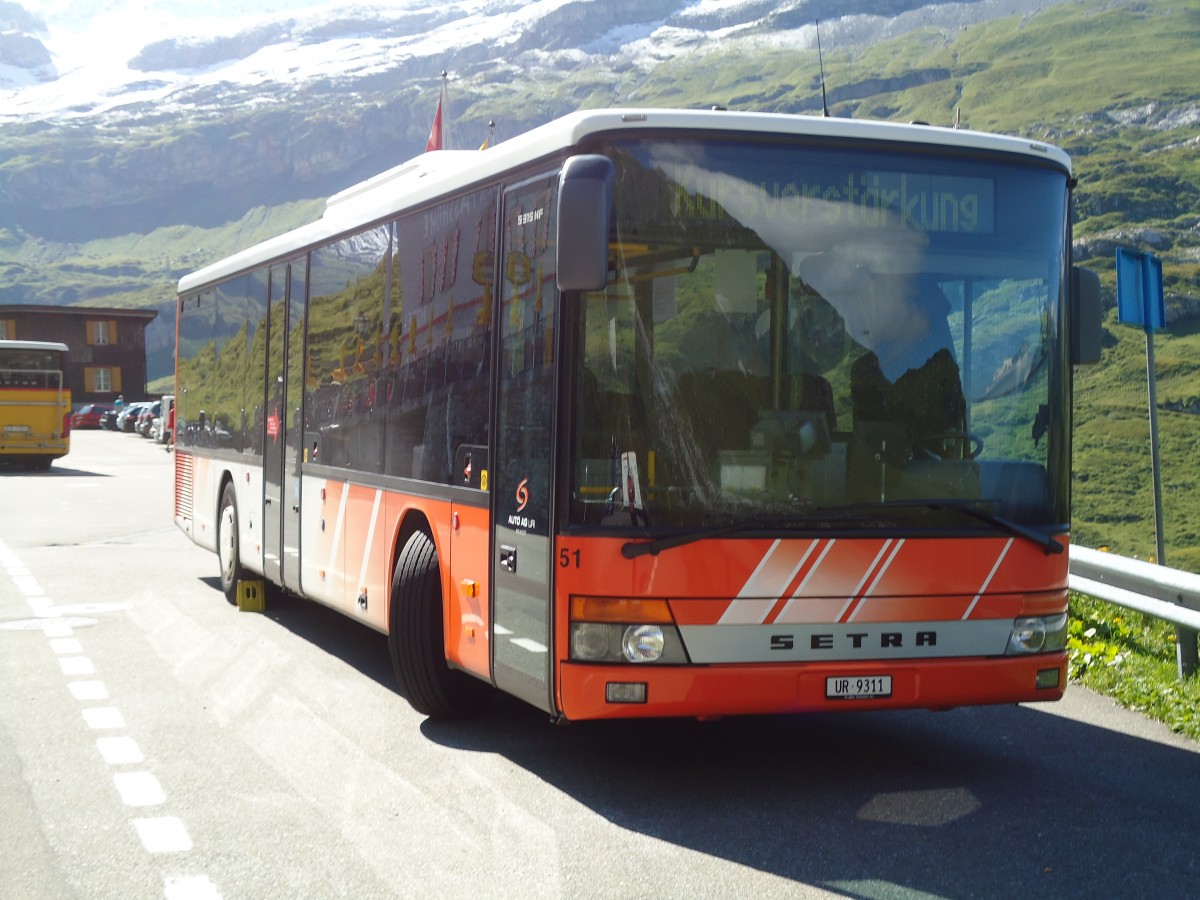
225 541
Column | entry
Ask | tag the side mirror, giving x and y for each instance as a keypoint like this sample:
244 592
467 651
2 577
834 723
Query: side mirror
1087 314
585 202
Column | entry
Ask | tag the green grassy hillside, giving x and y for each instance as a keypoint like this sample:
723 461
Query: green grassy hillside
131 270
1113 489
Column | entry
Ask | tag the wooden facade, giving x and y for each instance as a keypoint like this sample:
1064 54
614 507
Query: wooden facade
108 346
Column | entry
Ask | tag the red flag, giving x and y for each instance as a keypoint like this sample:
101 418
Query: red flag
435 133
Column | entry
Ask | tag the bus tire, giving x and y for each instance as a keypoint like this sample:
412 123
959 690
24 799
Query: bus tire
227 544
416 639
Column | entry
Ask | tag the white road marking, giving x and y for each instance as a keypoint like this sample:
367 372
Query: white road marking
76 665
100 718
140 789
191 887
74 609
88 690
163 835
27 585
119 751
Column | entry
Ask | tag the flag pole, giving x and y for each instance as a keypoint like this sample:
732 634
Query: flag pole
439 133
445 111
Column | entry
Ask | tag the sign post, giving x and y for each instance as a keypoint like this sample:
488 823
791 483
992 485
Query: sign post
1140 302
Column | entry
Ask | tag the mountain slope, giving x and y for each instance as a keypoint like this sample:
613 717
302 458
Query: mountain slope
134 121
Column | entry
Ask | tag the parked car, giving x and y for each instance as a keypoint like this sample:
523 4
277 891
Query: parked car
128 416
109 419
146 417
89 416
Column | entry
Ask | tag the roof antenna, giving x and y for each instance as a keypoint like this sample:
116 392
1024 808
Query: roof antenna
821 62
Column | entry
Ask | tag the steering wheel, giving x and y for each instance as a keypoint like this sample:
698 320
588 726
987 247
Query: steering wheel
970 444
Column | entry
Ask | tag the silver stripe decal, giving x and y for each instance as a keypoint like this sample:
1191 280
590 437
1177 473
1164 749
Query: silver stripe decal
737 606
746 590
336 542
887 565
811 572
362 575
992 574
866 575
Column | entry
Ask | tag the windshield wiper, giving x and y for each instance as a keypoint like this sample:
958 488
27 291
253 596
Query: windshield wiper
970 507
634 549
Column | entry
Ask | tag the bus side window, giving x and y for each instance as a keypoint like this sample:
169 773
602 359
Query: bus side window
440 370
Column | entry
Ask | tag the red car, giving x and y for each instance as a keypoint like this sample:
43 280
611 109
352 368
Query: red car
89 416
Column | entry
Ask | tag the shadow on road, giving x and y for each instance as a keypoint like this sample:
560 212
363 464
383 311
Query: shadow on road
352 642
55 471
987 802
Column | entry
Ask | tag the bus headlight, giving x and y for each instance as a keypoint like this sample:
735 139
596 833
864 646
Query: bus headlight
624 631
643 643
592 641
1038 634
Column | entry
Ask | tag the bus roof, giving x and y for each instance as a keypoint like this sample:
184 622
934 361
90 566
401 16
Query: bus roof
431 175
34 345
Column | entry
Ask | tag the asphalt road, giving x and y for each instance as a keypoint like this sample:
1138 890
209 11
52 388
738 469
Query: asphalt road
156 742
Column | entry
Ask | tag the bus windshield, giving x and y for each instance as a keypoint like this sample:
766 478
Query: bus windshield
809 335
30 366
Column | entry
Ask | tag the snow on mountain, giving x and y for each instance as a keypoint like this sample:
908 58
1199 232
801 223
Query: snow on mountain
80 59
101 56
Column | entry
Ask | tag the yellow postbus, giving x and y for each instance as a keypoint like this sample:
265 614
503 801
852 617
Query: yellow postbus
35 403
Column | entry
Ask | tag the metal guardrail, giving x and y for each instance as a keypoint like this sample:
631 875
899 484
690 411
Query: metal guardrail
1164 593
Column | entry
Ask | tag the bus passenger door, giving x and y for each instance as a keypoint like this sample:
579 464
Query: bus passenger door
281 472
272 414
292 423
522 464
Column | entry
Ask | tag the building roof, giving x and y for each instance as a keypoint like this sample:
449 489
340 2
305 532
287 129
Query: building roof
89 311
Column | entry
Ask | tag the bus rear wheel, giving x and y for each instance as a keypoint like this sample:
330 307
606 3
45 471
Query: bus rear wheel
227 544
416 639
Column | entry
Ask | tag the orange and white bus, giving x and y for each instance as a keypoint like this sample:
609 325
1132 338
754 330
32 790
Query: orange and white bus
661 413
35 403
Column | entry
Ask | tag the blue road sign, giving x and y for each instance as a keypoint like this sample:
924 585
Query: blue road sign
1140 289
